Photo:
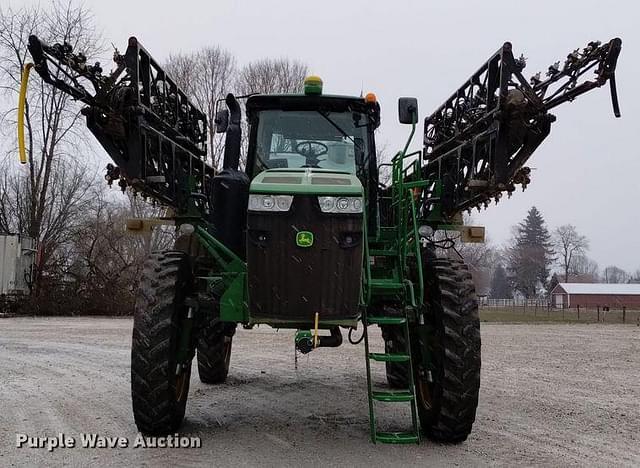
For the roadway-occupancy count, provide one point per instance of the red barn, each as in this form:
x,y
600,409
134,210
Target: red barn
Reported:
x,y
614,296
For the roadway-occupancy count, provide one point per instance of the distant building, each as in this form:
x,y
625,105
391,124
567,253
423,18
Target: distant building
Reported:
x,y
614,296
17,254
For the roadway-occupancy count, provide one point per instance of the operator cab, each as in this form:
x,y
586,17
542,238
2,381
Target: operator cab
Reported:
x,y
309,139
314,132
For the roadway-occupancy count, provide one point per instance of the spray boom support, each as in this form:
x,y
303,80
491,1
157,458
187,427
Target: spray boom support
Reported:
x,y
476,143
152,131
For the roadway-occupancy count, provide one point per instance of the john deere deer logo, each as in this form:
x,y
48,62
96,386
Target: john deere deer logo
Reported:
x,y
304,239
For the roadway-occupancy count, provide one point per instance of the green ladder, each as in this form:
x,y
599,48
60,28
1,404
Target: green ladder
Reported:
x,y
391,396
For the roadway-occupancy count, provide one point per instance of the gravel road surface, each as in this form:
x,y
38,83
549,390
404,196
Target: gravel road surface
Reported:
x,y
551,395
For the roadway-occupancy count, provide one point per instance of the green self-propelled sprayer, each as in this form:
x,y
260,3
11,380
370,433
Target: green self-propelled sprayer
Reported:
x,y
305,236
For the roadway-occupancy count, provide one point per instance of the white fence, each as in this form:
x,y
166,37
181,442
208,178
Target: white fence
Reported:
x,y
504,303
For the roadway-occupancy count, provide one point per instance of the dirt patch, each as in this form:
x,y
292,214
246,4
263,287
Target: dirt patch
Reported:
x,y
551,395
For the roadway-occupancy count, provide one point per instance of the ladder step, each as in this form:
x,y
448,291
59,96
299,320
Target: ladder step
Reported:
x,y
406,395
387,320
389,357
397,437
392,396
388,232
386,284
383,252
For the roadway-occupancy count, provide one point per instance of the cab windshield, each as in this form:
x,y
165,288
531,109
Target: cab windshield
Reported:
x,y
310,139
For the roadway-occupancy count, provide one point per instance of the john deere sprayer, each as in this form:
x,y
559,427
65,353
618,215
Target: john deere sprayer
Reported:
x,y
305,236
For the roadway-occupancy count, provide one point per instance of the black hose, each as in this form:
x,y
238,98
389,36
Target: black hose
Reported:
x,y
351,330
332,341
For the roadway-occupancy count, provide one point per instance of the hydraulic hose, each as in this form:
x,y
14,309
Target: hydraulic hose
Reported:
x,y
22,101
332,341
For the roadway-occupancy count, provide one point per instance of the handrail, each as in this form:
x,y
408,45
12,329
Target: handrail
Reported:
x,y
366,263
405,207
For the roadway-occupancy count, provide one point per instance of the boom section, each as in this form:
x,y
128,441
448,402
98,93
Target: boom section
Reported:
x,y
155,135
477,142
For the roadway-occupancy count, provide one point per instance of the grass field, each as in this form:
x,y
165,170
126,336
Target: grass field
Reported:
x,y
532,314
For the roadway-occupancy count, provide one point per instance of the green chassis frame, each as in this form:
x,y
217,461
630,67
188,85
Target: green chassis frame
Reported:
x,y
401,241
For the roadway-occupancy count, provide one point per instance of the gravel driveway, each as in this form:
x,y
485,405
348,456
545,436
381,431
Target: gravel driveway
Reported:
x,y
551,395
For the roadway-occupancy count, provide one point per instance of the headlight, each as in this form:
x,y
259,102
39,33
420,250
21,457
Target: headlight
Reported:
x,y
340,204
270,202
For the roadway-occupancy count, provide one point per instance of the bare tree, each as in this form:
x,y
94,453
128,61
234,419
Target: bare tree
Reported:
x,y
69,193
383,156
39,200
481,258
206,76
160,237
584,270
268,76
568,245
99,265
613,274
210,73
271,76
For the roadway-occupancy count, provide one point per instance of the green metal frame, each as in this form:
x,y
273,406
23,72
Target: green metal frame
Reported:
x,y
399,244
230,276
399,280
407,395
400,240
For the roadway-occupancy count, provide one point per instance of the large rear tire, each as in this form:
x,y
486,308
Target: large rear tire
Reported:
x,y
159,389
395,342
215,338
214,351
446,352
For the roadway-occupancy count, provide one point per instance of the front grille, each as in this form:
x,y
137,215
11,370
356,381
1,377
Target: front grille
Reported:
x,y
288,282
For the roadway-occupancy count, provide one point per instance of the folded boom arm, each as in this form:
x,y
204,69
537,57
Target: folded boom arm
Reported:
x,y
477,142
152,131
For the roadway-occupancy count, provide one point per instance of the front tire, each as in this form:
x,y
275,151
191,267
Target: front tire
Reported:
x,y
159,386
447,352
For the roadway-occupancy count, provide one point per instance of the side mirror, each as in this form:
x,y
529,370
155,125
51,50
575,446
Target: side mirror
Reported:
x,y
408,110
221,121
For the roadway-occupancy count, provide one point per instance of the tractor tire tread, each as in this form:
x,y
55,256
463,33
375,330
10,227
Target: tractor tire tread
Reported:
x,y
213,355
155,408
460,351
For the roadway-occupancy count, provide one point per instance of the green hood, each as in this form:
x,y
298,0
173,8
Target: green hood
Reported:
x,y
306,181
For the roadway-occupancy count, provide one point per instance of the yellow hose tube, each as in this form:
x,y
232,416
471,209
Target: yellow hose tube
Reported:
x,y
21,105
315,332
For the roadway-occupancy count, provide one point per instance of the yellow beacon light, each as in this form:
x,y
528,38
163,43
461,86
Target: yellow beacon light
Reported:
x,y
21,105
313,85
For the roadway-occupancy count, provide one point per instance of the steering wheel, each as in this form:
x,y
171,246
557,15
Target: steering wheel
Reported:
x,y
312,150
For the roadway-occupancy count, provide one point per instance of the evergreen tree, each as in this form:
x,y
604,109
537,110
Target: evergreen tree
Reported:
x,y
500,286
553,283
531,254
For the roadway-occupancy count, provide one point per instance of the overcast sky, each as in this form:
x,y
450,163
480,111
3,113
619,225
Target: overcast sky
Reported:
x,y
587,171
